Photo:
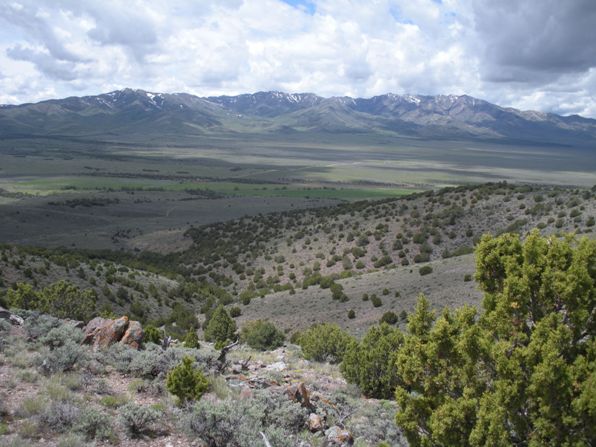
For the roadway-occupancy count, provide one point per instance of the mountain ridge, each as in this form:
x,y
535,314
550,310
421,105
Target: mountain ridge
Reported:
x,y
134,111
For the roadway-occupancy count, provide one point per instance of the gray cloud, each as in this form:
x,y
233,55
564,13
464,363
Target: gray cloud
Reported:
x,y
129,31
535,41
128,27
45,63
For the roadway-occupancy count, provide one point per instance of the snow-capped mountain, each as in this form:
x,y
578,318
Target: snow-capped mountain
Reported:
x,y
129,113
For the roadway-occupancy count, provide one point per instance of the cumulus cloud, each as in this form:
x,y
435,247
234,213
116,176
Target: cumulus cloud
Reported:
x,y
538,54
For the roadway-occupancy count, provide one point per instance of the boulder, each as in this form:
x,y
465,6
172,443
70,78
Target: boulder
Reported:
x,y
315,423
299,393
339,436
10,317
133,336
102,332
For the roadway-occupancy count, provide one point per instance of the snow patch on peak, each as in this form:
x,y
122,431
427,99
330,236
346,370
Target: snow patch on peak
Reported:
x,y
114,95
103,102
412,99
290,97
152,97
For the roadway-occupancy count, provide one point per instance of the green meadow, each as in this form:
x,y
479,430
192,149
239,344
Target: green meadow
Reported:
x,y
60,185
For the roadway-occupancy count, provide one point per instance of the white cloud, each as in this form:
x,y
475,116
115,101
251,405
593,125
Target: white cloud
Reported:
x,y
510,54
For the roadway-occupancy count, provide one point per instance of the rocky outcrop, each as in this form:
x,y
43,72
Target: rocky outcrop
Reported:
x,y
102,332
10,317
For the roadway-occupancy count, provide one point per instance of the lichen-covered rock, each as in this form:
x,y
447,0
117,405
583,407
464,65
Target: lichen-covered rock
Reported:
x,y
133,336
339,436
315,423
111,332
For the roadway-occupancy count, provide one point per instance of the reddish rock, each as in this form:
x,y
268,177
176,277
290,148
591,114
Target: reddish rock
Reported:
x,y
92,328
103,332
111,333
133,336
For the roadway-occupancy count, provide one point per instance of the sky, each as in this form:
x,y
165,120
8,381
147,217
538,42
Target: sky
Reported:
x,y
528,54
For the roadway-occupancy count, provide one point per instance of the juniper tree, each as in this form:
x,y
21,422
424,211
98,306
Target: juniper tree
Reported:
x,y
185,382
220,326
325,342
152,334
521,373
370,364
262,335
191,340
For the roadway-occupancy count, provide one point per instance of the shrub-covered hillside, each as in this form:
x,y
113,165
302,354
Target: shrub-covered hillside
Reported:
x,y
56,392
114,284
520,371
306,256
287,250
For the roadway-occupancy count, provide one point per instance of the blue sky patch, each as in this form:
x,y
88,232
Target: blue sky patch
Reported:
x,y
305,5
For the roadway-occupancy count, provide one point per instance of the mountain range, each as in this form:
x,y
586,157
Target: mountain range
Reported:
x,y
136,114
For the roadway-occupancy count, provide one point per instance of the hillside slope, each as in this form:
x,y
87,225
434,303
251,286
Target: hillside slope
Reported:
x,y
265,252
298,267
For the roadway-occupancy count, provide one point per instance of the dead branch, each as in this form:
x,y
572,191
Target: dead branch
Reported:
x,y
244,364
221,360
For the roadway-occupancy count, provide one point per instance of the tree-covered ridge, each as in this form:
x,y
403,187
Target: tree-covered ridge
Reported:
x,y
285,250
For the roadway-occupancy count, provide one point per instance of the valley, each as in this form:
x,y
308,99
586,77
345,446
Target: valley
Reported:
x,y
298,223
312,241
